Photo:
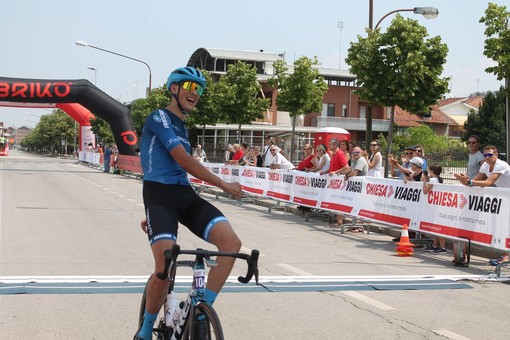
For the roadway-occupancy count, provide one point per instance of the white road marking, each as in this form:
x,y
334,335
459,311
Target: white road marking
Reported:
x,y
450,334
294,269
368,300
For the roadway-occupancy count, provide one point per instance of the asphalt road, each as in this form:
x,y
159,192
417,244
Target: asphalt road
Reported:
x,y
62,221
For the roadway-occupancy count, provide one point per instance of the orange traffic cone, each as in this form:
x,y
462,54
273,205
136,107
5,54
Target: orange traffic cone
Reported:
x,y
404,247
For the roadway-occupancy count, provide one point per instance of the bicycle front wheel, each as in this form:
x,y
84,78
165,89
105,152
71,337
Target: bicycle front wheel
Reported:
x,y
205,326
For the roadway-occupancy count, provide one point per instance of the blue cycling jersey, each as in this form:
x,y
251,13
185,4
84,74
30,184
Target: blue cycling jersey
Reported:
x,y
162,132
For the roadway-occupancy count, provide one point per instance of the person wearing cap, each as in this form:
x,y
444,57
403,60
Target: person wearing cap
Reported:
x,y
401,171
169,199
416,169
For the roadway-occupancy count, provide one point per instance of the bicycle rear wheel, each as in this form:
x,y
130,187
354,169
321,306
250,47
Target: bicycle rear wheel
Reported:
x,y
206,325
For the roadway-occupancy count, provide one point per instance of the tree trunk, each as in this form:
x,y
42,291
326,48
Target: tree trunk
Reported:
x,y
368,126
292,140
390,141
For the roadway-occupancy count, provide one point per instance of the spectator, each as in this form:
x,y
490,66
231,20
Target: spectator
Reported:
x,y
420,152
344,146
244,149
475,159
359,167
199,154
338,164
359,164
374,160
351,147
250,159
268,143
107,158
277,160
322,164
416,169
256,153
309,160
398,170
238,155
439,243
115,153
493,172
229,154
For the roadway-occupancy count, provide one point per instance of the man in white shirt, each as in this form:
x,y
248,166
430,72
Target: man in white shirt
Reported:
x,y
359,165
278,161
267,145
494,172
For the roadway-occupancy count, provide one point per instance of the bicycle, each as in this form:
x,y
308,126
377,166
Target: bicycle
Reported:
x,y
198,319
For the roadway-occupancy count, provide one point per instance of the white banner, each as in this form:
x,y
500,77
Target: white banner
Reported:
x,y
89,157
453,211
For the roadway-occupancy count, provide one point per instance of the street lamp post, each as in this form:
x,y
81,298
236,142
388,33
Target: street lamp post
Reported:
x,y
95,74
340,26
84,44
427,12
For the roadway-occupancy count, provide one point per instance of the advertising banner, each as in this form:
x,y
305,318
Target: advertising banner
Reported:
x,y
448,210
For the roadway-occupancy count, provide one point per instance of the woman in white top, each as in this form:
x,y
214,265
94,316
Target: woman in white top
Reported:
x,y
374,161
322,165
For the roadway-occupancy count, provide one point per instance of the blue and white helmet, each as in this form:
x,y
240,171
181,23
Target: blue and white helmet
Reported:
x,y
183,74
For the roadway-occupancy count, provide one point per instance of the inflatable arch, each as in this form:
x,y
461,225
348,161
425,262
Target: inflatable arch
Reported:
x,y
79,99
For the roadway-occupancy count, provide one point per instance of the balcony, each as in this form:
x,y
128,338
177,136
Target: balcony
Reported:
x,y
353,124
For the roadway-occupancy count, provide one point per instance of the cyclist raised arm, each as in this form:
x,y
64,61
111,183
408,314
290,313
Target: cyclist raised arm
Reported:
x,y
165,154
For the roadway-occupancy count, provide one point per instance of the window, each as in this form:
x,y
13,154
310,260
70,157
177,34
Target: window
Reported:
x,y
362,112
331,110
344,110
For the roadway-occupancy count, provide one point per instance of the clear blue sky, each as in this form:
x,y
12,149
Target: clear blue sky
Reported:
x,y
38,38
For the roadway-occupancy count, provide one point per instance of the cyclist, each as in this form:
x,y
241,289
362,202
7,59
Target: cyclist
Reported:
x,y
165,154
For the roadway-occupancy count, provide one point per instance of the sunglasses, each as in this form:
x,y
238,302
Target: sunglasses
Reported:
x,y
409,153
272,150
191,86
472,142
486,155
373,144
356,152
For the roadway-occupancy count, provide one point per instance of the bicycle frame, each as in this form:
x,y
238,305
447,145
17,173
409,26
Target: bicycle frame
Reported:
x,y
196,295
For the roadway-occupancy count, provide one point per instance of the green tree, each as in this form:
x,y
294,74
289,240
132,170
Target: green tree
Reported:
x,y
49,133
497,48
101,129
299,92
489,120
421,135
236,96
497,44
399,67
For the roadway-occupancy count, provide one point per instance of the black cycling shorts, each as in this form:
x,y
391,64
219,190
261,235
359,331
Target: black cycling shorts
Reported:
x,y
168,204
